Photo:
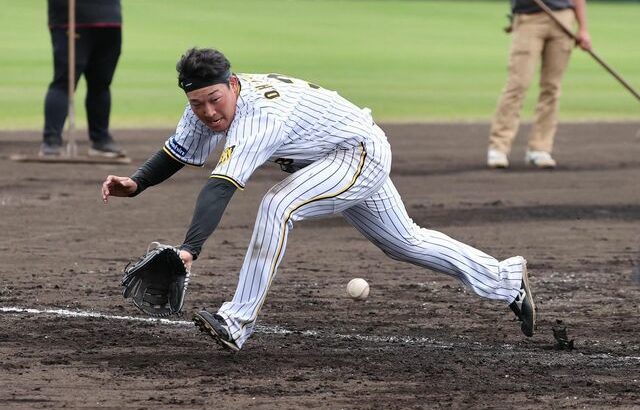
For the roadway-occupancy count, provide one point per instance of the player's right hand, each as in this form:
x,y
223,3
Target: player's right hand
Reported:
x,y
117,186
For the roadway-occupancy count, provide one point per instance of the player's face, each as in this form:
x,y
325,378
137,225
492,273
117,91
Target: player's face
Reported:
x,y
215,105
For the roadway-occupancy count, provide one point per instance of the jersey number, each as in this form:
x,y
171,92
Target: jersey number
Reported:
x,y
271,94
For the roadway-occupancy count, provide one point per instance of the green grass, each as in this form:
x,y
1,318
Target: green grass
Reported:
x,y
407,60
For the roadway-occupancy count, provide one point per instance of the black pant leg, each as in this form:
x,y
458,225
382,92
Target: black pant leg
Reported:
x,y
56,103
101,66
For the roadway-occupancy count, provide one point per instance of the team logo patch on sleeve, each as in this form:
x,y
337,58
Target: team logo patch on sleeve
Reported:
x,y
226,155
177,148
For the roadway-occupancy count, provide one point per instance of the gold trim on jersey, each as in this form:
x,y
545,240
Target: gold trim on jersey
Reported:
x,y
233,181
178,159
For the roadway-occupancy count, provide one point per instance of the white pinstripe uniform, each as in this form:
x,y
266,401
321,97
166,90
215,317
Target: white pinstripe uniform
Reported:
x,y
343,160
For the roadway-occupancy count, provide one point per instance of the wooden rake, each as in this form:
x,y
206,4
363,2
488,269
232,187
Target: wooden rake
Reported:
x,y
600,61
70,155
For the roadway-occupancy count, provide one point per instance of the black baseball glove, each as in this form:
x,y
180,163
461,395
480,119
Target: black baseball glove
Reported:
x,y
157,282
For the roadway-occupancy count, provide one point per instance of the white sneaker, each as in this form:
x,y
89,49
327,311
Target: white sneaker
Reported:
x,y
497,159
540,159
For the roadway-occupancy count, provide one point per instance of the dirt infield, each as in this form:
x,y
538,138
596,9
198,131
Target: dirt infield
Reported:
x,y
420,341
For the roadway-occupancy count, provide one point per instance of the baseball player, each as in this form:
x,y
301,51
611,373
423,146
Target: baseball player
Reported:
x,y
338,162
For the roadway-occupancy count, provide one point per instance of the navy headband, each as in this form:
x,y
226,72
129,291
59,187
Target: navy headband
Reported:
x,y
189,85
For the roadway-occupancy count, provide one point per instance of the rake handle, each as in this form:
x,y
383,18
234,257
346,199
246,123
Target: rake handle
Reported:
x,y
570,33
71,145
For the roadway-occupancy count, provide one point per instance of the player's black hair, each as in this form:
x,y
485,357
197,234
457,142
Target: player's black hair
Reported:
x,y
199,67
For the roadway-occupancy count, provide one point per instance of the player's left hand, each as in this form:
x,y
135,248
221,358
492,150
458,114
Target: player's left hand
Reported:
x,y
187,258
157,281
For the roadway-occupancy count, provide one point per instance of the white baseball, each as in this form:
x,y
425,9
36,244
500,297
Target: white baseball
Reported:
x,y
358,289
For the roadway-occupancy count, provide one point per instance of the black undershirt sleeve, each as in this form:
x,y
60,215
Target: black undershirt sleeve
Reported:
x,y
210,206
156,169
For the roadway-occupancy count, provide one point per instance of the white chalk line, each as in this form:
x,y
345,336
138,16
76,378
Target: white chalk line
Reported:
x,y
259,328
279,330
82,313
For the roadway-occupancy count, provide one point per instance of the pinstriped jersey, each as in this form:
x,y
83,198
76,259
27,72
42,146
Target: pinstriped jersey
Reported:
x,y
193,141
277,118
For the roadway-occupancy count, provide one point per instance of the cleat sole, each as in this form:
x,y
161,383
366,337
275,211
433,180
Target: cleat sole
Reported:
x,y
205,327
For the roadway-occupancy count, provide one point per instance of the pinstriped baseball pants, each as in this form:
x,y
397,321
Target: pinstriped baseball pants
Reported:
x,y
355,182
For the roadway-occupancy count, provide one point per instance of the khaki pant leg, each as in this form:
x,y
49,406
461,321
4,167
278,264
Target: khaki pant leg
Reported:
x,y
526,46
555,58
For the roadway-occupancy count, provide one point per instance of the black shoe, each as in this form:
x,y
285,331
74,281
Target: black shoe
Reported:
x,y
51,149
523,306
216,327
106,149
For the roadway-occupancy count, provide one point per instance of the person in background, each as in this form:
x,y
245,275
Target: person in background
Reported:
x,y
98,44
537,40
